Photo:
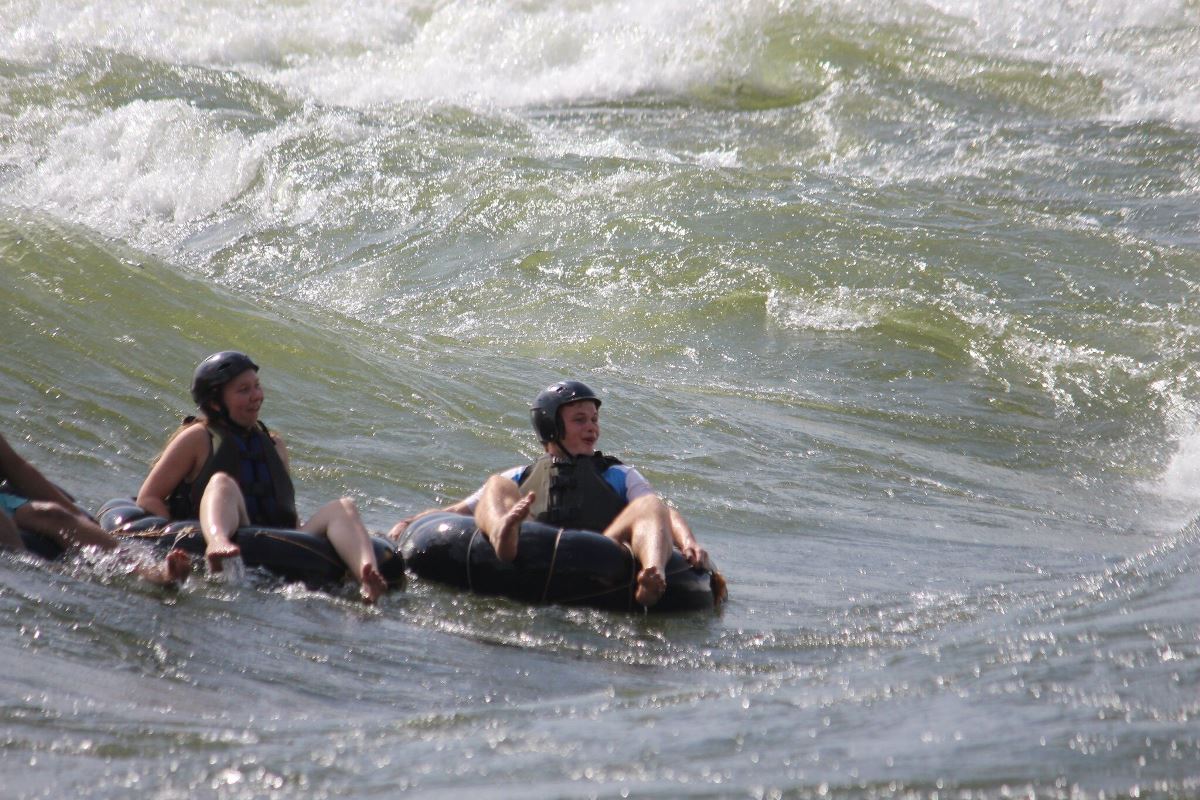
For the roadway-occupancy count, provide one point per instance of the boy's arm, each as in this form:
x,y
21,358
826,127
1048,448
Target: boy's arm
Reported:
x,y
26,478
685,540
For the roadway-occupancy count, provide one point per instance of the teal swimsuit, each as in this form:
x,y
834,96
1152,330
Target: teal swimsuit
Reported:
x,y
11,502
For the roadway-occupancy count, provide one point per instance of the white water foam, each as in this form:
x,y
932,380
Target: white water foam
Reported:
x,y
839,309
158,172
499,53
1181,477
509,53
1143,52
214,33
142,164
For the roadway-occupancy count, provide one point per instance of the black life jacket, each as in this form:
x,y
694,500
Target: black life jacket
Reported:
x,y
572,493
250,458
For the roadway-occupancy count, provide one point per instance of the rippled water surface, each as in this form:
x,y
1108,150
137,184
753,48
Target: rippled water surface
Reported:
x,y
898,304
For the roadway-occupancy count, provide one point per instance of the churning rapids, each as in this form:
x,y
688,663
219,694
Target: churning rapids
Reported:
x,y
898,303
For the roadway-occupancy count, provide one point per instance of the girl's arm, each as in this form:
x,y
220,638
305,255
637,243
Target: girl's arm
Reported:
x,y
183,457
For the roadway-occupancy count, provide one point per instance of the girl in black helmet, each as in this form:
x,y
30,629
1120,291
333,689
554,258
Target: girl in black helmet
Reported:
x,y
228,470
574,485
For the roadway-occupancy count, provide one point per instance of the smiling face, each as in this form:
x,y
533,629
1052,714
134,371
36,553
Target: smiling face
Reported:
x,y
243,397
581,427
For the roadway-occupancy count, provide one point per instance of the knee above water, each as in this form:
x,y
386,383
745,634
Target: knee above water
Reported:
x,y
221,481
347,506
48,510
650,504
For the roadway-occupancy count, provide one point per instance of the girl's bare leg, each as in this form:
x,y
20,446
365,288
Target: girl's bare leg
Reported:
x,y
222,512
339,521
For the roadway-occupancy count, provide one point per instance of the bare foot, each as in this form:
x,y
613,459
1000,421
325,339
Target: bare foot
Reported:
x,y
173,569
510,528
650,586
373,585
178,564
218,551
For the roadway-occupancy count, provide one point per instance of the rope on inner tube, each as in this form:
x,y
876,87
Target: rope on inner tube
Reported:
x,y
470,545
305,547
633,571
576,598
188,531
553,559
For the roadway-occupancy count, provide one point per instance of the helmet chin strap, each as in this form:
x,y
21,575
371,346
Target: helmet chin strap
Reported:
x,y
558,438
562,448
223,413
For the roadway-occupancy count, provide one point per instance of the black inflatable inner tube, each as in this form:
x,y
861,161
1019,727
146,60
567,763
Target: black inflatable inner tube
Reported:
x,y
553,565
41,546
293,555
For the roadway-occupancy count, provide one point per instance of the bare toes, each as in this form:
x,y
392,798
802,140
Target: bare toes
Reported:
x,y
217,556
650,586
179,565
373,584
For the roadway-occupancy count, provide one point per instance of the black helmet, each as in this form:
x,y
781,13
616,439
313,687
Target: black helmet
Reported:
x,y
216,371
544,413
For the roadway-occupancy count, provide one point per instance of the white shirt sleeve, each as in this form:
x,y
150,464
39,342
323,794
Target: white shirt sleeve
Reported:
x,y
636,485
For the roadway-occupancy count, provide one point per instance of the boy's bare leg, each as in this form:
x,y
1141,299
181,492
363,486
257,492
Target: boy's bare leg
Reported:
x,y
172,570
62,525
499,515
10,537
645,527
69,529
